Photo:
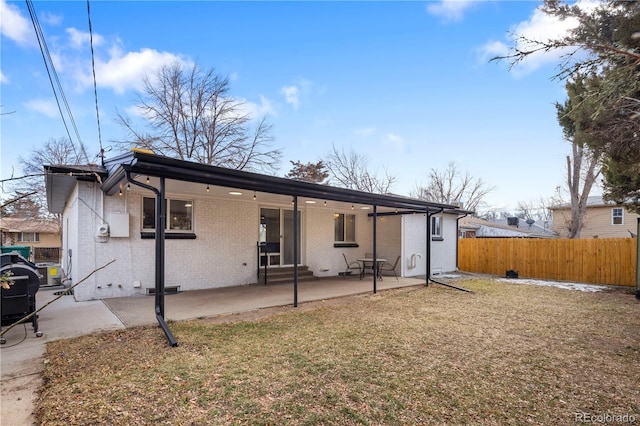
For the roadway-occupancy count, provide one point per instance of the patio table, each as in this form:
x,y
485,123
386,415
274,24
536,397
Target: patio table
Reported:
x,y
369,261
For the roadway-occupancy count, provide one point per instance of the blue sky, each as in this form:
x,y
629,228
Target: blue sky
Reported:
x,y
408,84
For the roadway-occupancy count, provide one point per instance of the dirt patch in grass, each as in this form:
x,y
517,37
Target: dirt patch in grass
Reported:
x,y
506,354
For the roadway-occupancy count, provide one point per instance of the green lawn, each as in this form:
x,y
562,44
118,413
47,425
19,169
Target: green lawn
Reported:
x,y
506,354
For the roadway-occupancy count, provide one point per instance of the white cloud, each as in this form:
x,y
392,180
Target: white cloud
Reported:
x,y
3,78
296,91
80,38
257,111
51,19
59,62
123,71
291,95
539,27
15,26
450,10
365,131
266,108
43,106
493,49
391,139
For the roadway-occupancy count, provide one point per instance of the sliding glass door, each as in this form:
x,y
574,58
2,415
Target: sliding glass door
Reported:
x,y
276,231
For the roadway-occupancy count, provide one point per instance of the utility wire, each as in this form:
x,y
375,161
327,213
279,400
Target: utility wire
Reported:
x,y
95,85
52,73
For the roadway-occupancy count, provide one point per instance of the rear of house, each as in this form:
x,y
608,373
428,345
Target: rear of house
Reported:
x,y
214,232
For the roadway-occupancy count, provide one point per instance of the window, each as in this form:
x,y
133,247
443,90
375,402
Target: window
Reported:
x,y
344,227
179,215
29,237
617,217
436,227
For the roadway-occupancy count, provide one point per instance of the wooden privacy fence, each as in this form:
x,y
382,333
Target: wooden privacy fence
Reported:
x,y
594,261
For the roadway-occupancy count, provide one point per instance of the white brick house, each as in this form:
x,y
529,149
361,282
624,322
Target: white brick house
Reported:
x,y
215,219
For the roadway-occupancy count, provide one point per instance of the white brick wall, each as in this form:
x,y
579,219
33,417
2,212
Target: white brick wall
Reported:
x,y
443,253
224,252
389,238
322,257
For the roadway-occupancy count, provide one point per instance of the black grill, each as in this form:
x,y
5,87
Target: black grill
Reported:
x,y
19,300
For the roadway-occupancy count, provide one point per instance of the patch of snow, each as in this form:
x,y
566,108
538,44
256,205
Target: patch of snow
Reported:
x,y
564,285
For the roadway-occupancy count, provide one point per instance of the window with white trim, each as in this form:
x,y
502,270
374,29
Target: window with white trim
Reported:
x,y
436,227
617,216
179,215
344,228
29,237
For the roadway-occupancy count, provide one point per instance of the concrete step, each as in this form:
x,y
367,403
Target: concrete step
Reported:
x,y
285,275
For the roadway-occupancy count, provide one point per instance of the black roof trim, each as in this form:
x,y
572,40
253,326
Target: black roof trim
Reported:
x,y
159,166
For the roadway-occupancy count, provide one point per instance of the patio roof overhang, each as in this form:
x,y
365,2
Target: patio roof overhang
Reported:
x,y
140,165
136,167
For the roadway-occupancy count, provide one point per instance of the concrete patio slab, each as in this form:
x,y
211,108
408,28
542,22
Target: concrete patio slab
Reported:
x,y
136,311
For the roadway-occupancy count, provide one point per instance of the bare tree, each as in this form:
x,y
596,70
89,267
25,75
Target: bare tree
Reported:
x,y
526,210
27,192
537,210
351,170
582,173
452,187
190,115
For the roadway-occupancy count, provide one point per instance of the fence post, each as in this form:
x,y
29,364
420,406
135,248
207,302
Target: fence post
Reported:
x,y
638,260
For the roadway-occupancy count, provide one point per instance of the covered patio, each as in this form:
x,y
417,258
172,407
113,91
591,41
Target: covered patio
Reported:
x,y
125,184
139,311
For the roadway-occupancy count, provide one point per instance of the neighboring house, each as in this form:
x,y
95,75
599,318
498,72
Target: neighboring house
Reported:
x,y
513,227
215,220
601,220
41,235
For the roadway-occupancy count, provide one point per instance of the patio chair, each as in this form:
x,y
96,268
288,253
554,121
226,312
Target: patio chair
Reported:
x,y
386,266
353,265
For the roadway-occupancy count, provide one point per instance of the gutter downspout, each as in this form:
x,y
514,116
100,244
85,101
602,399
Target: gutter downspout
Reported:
x,y
160,251
375,249
638,261
428,271
295,251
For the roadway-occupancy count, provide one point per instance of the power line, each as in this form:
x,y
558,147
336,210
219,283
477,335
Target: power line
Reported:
x,y
52,73
95,85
